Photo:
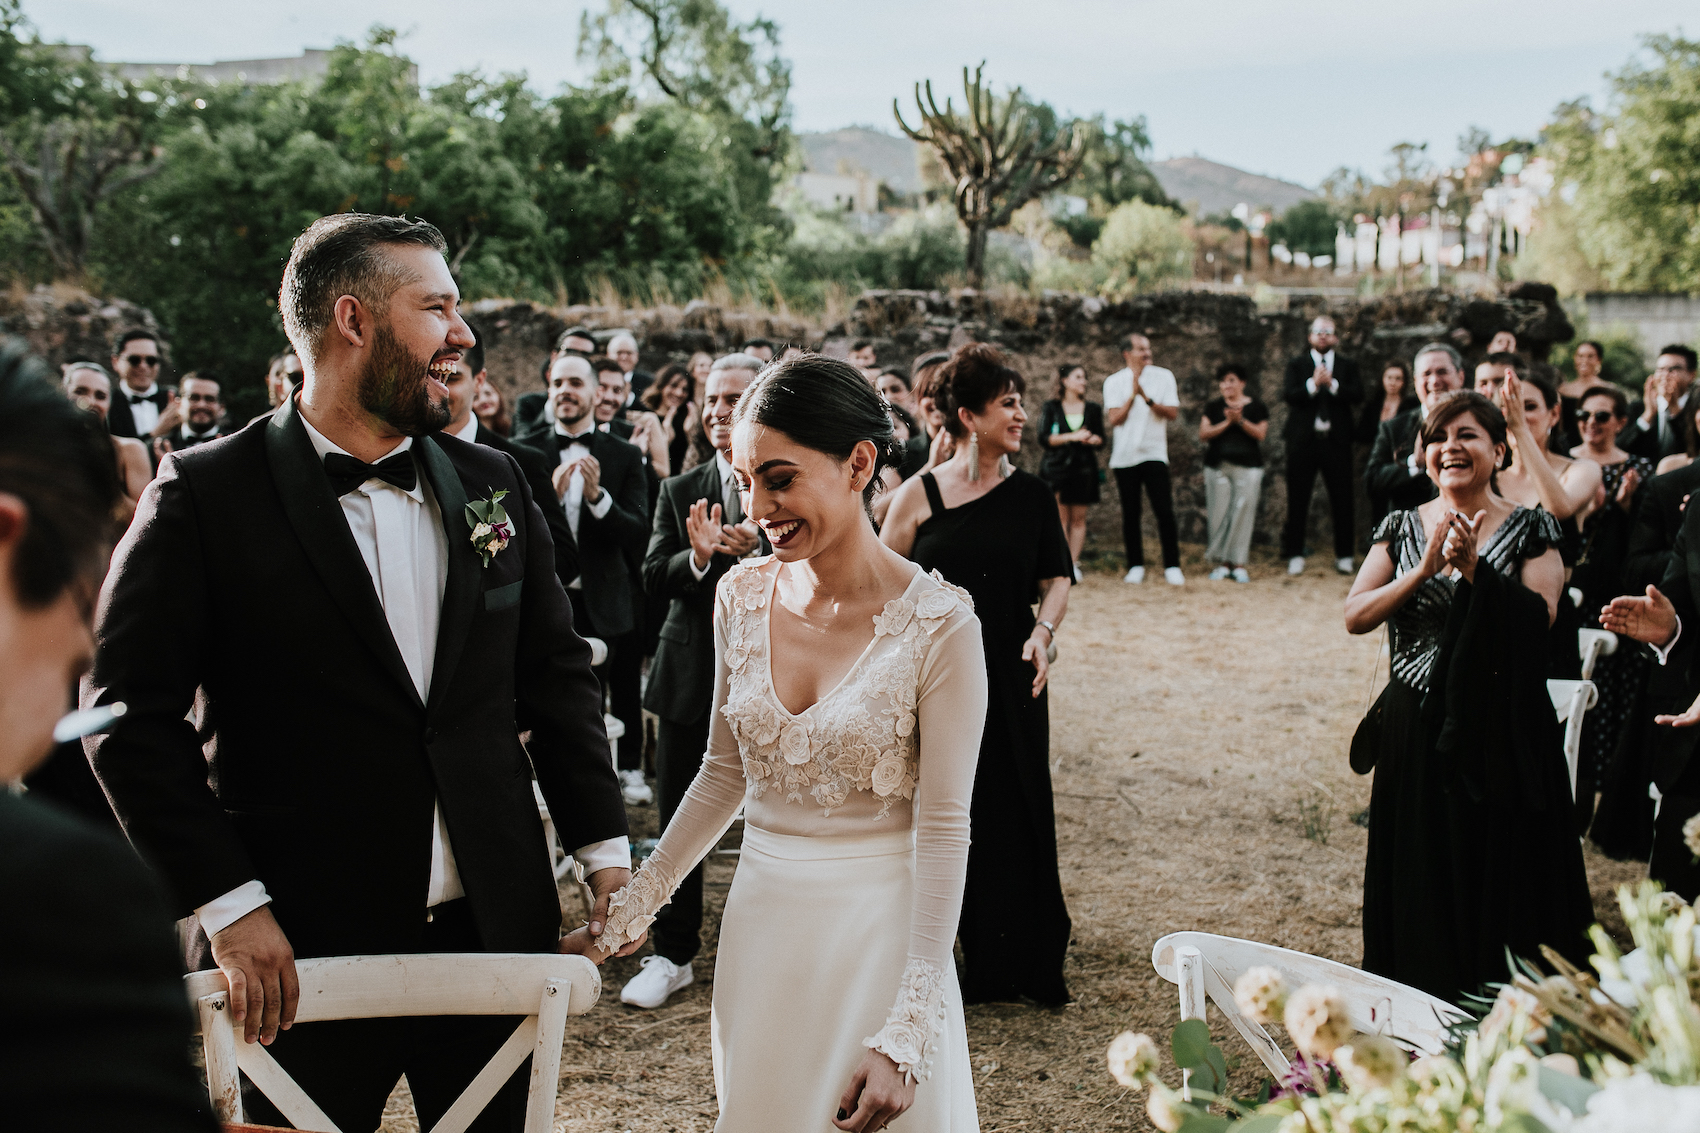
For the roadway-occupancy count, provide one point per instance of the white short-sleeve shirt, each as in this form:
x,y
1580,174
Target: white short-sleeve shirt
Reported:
x,y
1143,436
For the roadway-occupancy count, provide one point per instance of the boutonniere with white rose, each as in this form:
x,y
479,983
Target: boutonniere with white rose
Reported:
x,y
491,527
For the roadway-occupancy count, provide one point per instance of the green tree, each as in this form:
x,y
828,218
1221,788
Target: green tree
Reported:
x,y
1143,248
1309,227
1631,174
1113,169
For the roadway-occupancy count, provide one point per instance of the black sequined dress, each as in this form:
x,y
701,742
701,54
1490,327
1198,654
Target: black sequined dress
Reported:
x,y
1471,847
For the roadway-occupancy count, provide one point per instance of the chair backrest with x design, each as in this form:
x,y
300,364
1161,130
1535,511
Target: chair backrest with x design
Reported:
x,y
544,988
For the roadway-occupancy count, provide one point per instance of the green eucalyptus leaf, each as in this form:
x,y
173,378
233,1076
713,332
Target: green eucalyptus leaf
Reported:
x,y
1190,1044
1568,1091
1260,1123
1206,1123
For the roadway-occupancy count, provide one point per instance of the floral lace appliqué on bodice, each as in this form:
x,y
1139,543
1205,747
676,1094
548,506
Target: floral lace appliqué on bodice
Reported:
x,y
858,737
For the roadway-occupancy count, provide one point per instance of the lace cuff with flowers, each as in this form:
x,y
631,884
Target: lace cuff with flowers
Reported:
x,y
911,1033
632,910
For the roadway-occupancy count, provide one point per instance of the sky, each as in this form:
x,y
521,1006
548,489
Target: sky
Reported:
x,y
1293,89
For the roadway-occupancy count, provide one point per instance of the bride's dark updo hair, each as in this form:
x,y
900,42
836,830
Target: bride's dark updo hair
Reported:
x,y
823,404
975,376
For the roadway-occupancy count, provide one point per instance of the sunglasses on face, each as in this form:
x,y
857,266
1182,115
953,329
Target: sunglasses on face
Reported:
x,y
142,359
1600,416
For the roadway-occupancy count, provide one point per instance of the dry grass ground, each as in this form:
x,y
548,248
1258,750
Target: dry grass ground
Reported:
x,y
1199,756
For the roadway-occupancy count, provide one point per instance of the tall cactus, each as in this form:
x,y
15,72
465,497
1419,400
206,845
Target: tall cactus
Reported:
x,y
997,153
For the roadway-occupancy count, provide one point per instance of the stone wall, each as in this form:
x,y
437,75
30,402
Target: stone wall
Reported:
x,y
66,324
1191,333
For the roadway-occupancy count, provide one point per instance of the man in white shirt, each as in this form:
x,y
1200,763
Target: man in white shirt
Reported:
x,y
1140,400
364,653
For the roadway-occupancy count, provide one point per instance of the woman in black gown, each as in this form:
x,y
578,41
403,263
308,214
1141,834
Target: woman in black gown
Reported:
x,y
1471,847
998,536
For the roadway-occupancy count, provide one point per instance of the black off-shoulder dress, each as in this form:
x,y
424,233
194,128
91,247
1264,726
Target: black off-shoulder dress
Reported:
x,y
1472,850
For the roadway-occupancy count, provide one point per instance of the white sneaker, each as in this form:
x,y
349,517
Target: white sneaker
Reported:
x,y
1344,566
1219,574
1174,577
1241,574
1135,575
635,791
659,979
1296,565
1078,577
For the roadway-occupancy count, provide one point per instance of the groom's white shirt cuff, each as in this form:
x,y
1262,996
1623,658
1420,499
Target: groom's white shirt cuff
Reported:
x,y
1664,653
222,912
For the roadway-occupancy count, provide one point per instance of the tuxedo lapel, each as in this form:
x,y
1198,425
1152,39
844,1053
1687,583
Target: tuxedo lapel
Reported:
x,y
460,591
323,531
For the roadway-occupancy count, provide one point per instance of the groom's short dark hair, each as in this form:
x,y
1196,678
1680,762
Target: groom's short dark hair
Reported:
x,y
58,460
342,255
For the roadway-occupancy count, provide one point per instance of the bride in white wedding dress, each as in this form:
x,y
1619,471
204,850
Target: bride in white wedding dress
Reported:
x,y
848,702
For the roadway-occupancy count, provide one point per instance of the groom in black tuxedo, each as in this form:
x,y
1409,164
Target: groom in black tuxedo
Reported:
x,y
365,658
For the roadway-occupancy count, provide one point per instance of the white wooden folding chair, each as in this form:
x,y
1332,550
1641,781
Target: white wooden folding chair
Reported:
x,y
1593,644
1207,965
543,987
1571,700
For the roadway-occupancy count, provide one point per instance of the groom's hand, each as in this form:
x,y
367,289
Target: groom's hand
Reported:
x,y
604,883
259,964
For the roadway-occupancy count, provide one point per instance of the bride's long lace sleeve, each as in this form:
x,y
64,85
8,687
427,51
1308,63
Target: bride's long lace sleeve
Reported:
x,y
703,817
951,713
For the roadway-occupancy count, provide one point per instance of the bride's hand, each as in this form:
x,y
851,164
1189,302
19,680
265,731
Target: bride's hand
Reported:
x,y
878,1095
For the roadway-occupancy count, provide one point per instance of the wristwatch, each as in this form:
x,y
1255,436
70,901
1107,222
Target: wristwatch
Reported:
x,y
1050,628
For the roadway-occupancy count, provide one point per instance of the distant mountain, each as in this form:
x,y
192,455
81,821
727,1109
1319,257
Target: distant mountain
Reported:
x,y
1217,188
860,149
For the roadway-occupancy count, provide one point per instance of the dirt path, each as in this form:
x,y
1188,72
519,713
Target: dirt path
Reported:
x,y
1198,746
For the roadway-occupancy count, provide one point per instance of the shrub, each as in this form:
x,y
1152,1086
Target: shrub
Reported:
x,y
1143,248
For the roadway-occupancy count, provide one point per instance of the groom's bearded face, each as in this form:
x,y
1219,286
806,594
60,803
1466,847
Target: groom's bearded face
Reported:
x,y
393,386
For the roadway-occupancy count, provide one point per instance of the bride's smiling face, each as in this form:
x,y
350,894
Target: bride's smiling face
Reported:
x,y
804,500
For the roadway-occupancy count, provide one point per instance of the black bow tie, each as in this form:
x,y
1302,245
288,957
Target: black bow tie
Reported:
x,y
347,473
139,398
562,440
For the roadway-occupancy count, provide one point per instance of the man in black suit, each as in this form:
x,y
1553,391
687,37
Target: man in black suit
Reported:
x,y
600,485
1667,617
95,1027
1655,428
201,409
623,348
1396,477
1659,511
141,407
366,654
700,532
1320,388
463,384
613,396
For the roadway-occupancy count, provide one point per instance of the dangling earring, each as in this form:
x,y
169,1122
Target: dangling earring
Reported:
x,y
974,456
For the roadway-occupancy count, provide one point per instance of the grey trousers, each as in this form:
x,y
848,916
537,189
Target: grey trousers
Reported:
x,y
1230,505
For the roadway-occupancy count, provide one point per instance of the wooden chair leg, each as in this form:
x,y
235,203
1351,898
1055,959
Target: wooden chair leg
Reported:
x,y
546,1057
218,1040
1189,965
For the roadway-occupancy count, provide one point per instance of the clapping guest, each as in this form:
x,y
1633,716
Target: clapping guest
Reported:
x,y
198,398
993,530
1654,431
1588,358
1688,426
1396,397
1396,476
1071,429
490,406
1472,851
623,348
1321,387
672,400
141,406
90,389
57,973
1233,427
1139,401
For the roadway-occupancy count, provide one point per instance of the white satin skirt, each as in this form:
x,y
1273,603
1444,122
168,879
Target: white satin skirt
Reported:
x,y
813,944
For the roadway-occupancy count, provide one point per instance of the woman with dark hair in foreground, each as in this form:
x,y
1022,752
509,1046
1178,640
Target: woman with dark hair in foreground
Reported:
x,y
993,530
848,693
1472,850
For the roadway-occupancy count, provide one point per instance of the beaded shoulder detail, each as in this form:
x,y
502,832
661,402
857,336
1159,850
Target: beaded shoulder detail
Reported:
x,y
861,736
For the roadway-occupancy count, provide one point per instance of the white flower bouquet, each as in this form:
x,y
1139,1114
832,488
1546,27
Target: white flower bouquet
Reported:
x,y
1616,1050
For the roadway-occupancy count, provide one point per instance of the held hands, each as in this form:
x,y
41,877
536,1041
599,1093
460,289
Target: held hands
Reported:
x,y
604,883
259,965
878,1094
1650,619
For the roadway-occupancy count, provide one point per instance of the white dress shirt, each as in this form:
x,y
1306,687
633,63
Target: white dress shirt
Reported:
x,y
1326,361
467,432
573,502
144,413
401,540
